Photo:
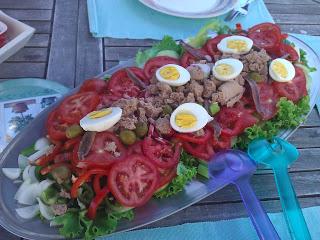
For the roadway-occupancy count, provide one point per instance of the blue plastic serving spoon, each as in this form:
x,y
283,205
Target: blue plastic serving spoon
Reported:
x,y
278,154
237,168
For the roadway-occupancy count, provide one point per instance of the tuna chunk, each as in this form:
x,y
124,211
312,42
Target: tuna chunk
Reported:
x,y
196,89
164,89
228,93
128,106
128,122
256,62
59,209
151,110
163,126
209,88
198,71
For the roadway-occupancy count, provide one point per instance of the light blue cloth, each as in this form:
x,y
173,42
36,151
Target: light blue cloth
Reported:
x,y
312,41
235,229
131,19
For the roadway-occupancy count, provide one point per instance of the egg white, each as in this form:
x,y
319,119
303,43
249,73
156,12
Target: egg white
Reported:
x,y
237,69
195,109
288,65
222,45
103,123
183,79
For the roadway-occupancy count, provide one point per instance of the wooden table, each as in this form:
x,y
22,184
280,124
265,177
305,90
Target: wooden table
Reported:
x,y
63,50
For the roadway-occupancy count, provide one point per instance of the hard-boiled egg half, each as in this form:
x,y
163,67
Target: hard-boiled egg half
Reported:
x,y
235,44
101,120
173,74
281,70
227,69
189,117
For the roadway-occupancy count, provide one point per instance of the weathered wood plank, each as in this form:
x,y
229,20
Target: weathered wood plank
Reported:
x,y
62,57
306,137
313,119
296,19
89,50
30,55
224,211
6,235
121,53
20,70
306,184
293,9
41,15
110,64
304,29
39,40
40,26
26,4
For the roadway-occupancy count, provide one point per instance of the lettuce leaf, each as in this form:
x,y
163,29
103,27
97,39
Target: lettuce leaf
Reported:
x,y
186,171
304,60
202,36
289,115
167,43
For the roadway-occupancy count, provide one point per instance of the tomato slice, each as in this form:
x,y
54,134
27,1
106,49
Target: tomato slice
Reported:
x,y
153,64
287,49
266,35
166,176
268,100
76,106
135,148
211,44
295,89
187,59
162,153
94,85
56,128
133,181
120,85
106,150
201,151
190,137
234,121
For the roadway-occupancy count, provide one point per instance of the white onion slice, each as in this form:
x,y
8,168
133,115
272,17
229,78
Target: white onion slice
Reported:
x,y
29,173
45,210
28,212
29,194
11,173
21,188
22,161
41,143
39,153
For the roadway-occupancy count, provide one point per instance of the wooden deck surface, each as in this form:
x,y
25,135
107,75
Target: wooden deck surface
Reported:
x,y
63,50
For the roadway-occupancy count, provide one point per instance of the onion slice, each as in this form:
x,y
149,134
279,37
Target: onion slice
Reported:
x,y
22,161
12,173
41,143
39,153
28,212
86,144
45,210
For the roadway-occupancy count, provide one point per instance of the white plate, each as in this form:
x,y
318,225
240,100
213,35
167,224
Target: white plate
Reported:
x,y
214,9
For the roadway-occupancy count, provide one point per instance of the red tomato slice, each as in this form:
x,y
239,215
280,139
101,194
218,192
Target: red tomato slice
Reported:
x,y
135,148
266,35
190,137
153,64
187,59
201,151
268,100
162,153
94,85
121,85
56,128
166,176
295,89
76,106
235,120
211,44
133,181
106,150
287,49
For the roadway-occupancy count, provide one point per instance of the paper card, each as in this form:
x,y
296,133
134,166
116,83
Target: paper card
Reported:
x,y
16,114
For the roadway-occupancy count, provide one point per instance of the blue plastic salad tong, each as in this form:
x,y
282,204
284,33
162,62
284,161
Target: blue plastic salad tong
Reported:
x,y
278,154
237,168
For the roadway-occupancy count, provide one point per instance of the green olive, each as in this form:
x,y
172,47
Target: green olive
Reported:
x,y
141,129
74,131
61,174
167,109
128,137
214,108
255,76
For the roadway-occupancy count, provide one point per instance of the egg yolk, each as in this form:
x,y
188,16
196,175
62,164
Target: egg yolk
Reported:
x,y
238,45
99,114
185,120
169,73
224,69
280,69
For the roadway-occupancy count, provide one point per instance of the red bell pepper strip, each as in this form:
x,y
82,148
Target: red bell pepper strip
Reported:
x,y
202,151
63,157
49,168
68,145
83,178
47,158
96,183
192,138
92,211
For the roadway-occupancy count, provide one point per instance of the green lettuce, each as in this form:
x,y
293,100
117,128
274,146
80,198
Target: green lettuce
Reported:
x,y
304,61
167,43
202,36
289,115
186,171
75,224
